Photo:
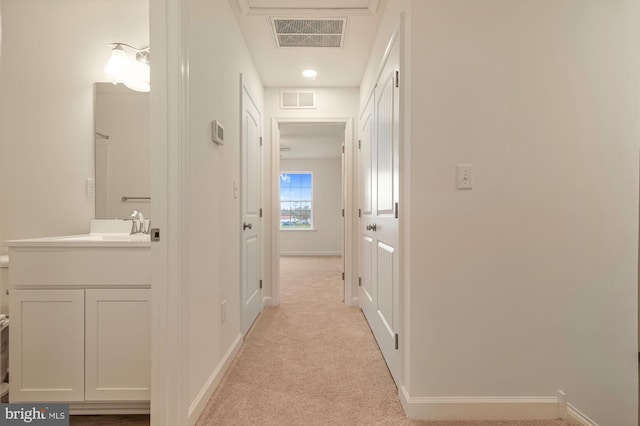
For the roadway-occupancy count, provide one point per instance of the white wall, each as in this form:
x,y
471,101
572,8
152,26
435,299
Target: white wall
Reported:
x,y
52,53
526,284
326,237
213,250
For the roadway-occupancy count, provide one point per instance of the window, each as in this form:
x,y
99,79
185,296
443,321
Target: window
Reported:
x,y
296,198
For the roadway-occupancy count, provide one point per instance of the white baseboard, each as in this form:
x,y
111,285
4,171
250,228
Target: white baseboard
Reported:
x,y
482,408
267,301
203,397
310,253
576,415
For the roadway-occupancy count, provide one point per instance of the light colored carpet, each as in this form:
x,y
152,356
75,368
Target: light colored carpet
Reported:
x,y
313,361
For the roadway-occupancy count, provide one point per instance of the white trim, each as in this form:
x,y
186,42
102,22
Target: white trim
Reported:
x,y
275,210
478,408
310,253
267,301
169,32
576,415
203,397
247,9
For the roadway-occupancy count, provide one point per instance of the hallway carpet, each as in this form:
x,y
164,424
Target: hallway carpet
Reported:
x,y
313,361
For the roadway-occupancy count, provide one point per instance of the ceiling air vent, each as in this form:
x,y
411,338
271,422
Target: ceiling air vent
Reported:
x,y
297,100
309,32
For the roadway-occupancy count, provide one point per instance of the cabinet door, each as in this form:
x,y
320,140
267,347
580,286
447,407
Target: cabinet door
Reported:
x,y
47,345
118,345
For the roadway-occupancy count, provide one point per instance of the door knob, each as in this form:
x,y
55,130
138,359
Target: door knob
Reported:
x,y
246,225
371,227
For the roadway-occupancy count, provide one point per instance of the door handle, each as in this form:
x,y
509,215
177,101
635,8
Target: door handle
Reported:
x,y
372,227
246,225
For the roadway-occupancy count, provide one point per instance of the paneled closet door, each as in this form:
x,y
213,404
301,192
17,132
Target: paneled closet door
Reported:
x,y
379,224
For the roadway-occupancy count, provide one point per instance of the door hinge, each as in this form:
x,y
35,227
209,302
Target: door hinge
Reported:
x,y
397,341
343,149
260,140
359,212
343,276
261,211
359,281
359,144
342,212
260,283
397,215
397,78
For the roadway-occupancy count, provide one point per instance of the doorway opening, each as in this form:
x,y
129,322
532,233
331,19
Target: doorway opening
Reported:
x,y
312,194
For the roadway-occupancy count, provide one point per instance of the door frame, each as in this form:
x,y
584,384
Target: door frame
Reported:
x,y
350,206
169,28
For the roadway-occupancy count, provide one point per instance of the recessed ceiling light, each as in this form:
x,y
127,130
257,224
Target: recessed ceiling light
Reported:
x,y
309,73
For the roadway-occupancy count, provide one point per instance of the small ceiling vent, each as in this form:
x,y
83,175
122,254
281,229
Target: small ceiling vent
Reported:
x,y
309,32
297,100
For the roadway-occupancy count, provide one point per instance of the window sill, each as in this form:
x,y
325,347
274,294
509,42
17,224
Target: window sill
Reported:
x,y
299,230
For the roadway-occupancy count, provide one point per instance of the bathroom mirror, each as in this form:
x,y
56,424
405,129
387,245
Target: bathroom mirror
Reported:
x,y
122,151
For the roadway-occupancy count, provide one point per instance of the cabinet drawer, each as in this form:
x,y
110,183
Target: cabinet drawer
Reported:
x,y
80,267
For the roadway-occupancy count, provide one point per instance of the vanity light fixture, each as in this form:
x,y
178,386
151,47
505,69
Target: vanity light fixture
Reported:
x,y
124,68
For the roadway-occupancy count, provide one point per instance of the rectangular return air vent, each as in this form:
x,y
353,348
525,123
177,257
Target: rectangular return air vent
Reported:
x,y
297,100
309,32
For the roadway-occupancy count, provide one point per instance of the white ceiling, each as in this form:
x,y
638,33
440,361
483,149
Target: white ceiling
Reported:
x,y
282,67
311,140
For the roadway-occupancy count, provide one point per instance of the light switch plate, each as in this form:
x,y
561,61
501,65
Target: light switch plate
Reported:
x,y
217,132
91,187
464,176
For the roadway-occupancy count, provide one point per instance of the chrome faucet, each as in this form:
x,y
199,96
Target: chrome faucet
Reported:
x,y
138,224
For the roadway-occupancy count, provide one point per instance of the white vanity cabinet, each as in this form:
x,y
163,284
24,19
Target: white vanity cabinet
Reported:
x,y
81,324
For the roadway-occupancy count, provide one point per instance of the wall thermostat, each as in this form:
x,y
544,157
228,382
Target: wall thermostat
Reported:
x,y
217,132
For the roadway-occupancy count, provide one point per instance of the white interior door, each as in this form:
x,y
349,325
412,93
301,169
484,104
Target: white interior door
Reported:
x,y
251,210
379,223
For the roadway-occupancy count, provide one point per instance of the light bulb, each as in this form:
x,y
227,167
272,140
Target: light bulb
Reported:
x,y
118,65
138,77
